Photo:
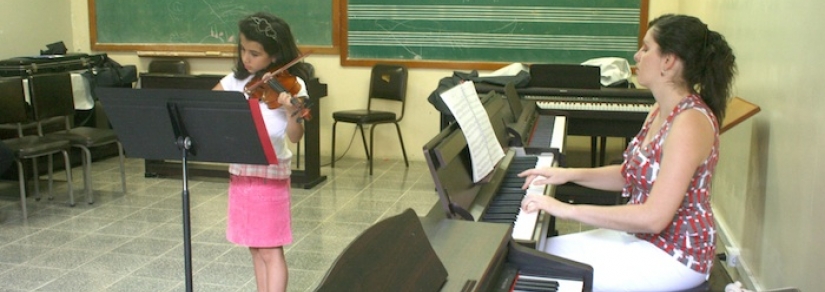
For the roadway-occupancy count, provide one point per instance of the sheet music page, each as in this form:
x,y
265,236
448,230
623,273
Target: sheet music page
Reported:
x,y
468,111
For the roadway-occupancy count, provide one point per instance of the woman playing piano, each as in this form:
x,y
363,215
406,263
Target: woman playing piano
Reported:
x,y
663,238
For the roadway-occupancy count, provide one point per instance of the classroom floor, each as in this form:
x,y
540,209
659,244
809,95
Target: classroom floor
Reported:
x,y
134,241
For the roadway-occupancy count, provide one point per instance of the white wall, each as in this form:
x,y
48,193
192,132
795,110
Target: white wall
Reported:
x,y
27,26
770,178
767,188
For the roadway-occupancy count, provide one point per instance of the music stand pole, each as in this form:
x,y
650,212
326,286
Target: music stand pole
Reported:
x,y
184,143
217,124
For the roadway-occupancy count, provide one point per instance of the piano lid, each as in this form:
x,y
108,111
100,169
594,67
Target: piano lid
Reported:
x,y
392,255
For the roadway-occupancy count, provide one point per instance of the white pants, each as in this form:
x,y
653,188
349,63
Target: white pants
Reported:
x,y
622,262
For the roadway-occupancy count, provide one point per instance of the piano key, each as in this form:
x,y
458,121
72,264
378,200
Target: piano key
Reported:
x,y
559,133
542,134
564,285
594,106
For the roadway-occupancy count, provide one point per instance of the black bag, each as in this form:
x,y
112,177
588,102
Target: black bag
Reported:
x,y
519,80
112,74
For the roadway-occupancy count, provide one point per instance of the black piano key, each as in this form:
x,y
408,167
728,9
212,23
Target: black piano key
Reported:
x,y
513,206
513,184
511,191
510,196
499,218
501,210
543,133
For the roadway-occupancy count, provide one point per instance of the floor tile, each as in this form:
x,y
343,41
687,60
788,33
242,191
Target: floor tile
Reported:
x,y
133,241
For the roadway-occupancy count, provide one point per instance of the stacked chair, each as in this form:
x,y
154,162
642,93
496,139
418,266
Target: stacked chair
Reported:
x,y
51,98
13,115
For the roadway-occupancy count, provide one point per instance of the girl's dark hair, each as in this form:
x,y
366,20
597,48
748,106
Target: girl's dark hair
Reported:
x,y
274,35
709,63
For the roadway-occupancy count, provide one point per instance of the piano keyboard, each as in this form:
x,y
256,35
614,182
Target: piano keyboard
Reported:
x,y
506,206
540,283
549,131
594,106
518,280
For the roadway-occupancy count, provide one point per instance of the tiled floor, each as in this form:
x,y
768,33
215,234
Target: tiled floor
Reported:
x,y
134,241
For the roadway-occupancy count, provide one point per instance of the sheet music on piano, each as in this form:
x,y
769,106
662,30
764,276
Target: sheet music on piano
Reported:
x,y
485,151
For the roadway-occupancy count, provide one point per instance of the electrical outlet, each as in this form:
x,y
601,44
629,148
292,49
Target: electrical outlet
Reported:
x,y
732,255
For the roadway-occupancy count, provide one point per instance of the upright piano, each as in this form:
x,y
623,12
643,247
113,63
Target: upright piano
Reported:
x,y
410,253
497,198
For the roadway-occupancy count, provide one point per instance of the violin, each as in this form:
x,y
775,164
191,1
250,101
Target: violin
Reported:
x,y
267,91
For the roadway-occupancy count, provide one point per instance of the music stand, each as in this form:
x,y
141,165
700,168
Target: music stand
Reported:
x,y
201,125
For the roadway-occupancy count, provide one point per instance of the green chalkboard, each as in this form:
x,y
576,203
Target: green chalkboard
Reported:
x,y
176,24
531,31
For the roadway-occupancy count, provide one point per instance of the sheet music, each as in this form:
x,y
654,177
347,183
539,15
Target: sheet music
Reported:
x,y
467,109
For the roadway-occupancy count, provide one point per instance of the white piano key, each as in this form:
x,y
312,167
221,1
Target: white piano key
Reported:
x,y
594,106
558,133
564,284
525,224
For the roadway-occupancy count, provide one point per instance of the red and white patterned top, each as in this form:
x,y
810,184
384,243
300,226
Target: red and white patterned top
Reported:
x,y
690,238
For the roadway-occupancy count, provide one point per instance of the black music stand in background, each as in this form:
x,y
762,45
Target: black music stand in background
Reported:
x,y
201,125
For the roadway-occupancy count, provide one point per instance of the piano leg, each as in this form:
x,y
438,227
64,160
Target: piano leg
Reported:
x,y
593,152
598,150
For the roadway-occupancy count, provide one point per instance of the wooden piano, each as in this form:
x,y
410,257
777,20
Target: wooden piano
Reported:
x,y
497,198
411,253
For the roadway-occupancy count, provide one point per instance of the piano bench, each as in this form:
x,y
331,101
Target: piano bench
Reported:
x,y
576,194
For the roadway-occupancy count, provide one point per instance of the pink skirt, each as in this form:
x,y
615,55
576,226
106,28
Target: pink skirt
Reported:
x,y
258,213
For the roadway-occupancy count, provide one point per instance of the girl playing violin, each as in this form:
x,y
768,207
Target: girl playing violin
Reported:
x,y
259,195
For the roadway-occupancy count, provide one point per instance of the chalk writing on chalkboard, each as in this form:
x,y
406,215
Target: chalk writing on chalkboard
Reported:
x,y
181,23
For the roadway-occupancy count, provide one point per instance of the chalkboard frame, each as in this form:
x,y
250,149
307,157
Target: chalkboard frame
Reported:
x,y
346,60
202,50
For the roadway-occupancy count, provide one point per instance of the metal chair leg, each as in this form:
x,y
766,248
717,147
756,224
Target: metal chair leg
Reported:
x,y
401,140
122,166
22,179
68,166
367,151
372,138
36,179
50,165
332,164
87,173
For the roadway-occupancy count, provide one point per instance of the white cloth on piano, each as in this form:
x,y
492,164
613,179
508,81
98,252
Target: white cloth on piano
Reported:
x,y
81,92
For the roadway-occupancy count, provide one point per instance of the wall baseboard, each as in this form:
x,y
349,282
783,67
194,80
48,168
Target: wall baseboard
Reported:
x,y
741,272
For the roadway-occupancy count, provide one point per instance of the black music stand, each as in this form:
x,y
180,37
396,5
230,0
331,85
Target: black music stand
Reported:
x,y
201,125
